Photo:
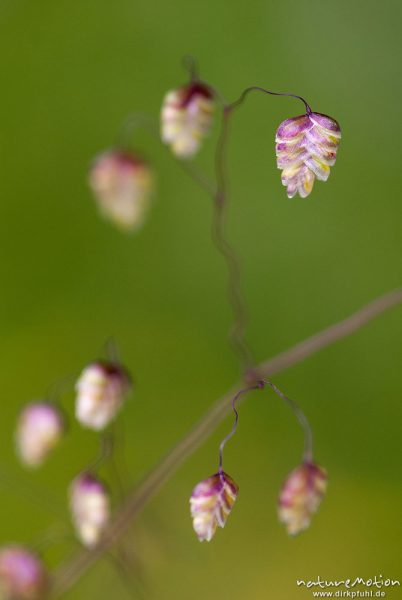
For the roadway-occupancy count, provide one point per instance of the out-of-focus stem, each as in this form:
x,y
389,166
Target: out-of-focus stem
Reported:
x,y
145,121
301,417
237,332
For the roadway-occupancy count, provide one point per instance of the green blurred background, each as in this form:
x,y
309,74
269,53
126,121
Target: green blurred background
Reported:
x,y
71,72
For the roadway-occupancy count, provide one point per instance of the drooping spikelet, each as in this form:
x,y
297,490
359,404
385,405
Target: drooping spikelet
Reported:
x,y
122,185
306,148
301,496
186,118
39,429
90,508
211,502
22,575
101,391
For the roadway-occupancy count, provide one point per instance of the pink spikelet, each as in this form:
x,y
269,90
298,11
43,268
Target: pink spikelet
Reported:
x,y
40,428
122,184
186,118
101,391
22,575
90,508
301,496
306,148
211,502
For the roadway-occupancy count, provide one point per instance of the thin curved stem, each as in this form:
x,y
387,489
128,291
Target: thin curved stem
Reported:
x,y
126,574
301,417
237,331
112,350
58,388
51,538
256,88
105,451
197,176
68,574
118,464
233,430
150,123
133,122
190,64
28,489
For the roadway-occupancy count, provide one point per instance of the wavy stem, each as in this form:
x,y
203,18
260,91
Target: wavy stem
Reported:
x,y
256,88
301,417
233,430
222,245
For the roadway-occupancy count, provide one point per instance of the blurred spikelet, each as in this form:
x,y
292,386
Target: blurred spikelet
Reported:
x,y
22,575
122,184
101,391
90,508
301,496
40,428
186,118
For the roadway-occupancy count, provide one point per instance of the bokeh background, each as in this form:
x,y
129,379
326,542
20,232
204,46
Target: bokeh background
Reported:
x,y
71,72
